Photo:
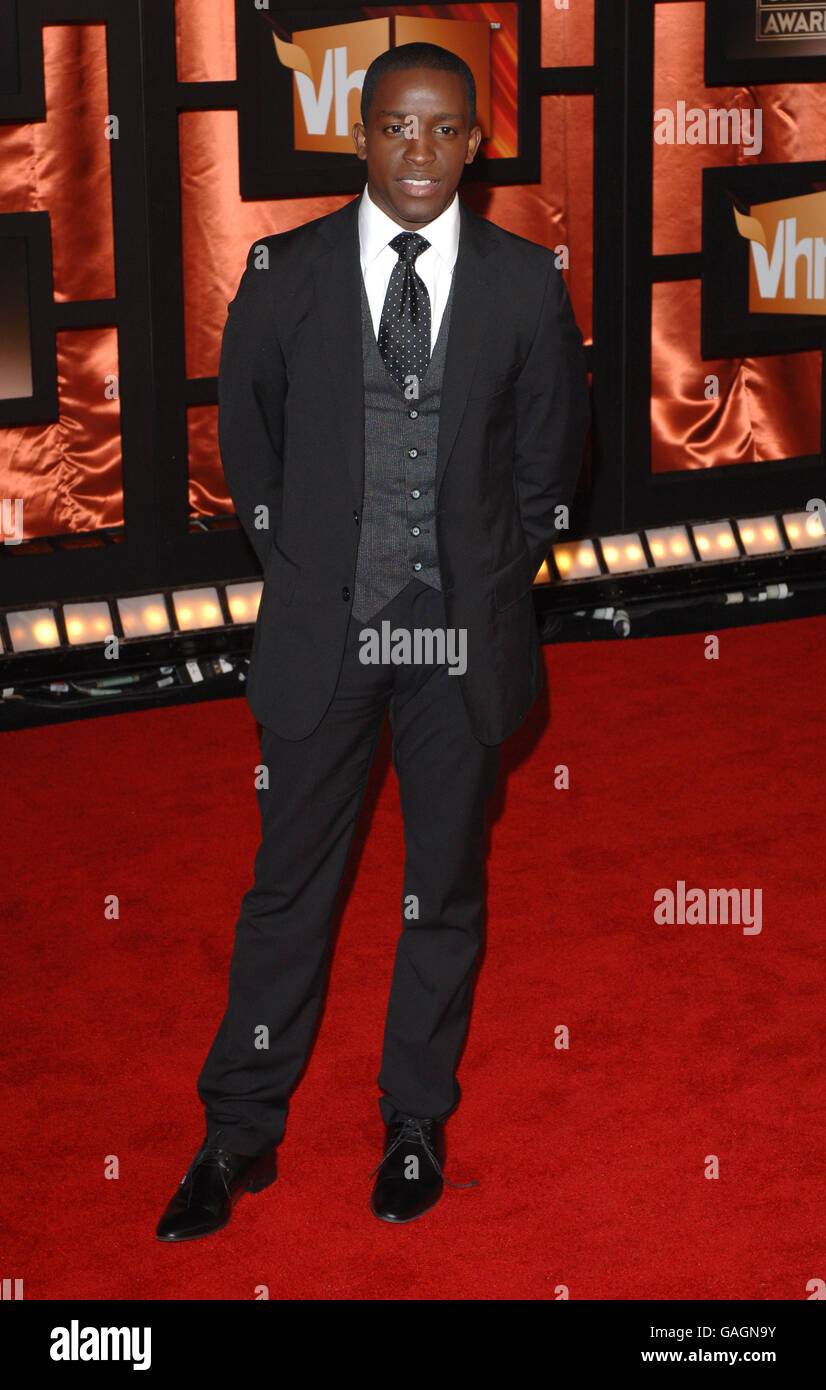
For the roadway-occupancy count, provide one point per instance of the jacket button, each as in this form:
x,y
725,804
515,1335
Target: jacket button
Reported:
x,y
345,593
356,517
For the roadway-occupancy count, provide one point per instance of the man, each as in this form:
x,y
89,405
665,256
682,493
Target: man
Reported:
x,y
402,408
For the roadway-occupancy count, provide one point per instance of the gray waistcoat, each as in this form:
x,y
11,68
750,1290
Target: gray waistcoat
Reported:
x,y
398,523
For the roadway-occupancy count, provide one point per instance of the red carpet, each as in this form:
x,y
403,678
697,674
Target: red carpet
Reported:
x,y
686,1041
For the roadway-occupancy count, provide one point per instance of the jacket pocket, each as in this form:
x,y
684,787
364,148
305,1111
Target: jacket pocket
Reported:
x,y
282,572
512,581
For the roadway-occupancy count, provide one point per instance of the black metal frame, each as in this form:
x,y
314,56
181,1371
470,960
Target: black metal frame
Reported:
x,y
116,559
722,71
727,328
23,99
32,228
651,499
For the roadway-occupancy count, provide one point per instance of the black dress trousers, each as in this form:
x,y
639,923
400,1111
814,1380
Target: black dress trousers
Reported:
x,y
308,815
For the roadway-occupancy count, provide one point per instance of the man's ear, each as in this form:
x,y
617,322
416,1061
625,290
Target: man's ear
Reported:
x,y
359,139
474,141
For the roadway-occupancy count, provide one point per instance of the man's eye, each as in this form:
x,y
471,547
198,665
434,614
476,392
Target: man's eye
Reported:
x,y
394,128
449,128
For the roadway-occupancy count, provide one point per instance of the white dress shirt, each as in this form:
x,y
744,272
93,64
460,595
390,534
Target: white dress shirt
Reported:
x,y
434,265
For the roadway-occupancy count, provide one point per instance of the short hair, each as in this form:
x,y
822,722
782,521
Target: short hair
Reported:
x,y
417,55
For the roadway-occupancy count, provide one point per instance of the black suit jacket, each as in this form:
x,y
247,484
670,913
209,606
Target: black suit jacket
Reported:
x,y
513,418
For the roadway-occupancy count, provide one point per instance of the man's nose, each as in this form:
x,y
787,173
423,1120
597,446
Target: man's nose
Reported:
x,y
419,149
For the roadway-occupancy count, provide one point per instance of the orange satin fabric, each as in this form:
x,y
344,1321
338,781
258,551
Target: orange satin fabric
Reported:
x,y
61,165
567,34
768,407
205,40
68,474
751,419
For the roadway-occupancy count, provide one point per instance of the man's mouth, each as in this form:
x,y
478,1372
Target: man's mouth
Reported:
x,y
418,186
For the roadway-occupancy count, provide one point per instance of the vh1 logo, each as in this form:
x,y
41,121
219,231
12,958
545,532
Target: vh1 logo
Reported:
x,y
329,64
787,266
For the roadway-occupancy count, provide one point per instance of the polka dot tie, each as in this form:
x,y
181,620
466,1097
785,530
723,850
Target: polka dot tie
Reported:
x,y
404,331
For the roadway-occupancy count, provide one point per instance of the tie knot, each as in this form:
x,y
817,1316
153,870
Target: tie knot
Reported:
x,y
409,245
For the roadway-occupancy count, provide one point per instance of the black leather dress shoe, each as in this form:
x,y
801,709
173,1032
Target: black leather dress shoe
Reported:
x,y
210,1188
410,1179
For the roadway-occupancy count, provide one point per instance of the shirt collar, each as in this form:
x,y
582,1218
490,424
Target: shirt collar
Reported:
x,y
376,229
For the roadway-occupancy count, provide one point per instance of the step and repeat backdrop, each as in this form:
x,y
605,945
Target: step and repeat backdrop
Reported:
x,y
672,155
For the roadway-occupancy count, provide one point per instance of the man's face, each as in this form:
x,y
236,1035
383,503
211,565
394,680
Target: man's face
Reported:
x,y
416,142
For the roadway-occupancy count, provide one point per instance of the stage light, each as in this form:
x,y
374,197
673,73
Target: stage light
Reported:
x,y
197,608
576,560
144,616
669,545
243,601
33,629
804,530
715,541
87,622
623,554
760,535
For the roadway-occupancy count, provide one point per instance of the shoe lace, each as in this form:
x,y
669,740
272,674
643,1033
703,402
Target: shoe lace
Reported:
x,y
210,1153
412,1130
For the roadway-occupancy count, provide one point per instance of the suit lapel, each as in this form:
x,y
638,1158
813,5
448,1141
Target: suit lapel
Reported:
x,y
337,278
470,324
